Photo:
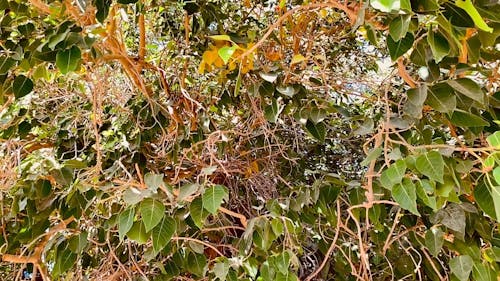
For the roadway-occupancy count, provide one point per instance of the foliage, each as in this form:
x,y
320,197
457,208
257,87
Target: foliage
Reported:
x,y
249,140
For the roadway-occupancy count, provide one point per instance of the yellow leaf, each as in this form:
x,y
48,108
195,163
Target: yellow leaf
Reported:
x,y
298,58
221,37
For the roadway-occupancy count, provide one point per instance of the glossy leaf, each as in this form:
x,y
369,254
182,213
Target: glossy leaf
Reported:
x,y
68,60
125,222
213,197
468,88
461,267
431,164
399,48
474,14
162,233
318,131
494,139
439,45
138,233
6,64
197,212
272,111
404,194
434,240
394,174
399,27
466,119
22,86
152,212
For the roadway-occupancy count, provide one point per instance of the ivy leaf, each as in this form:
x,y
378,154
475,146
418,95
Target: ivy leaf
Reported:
x,y
125,222
399,27
78,242
197,212
386,5
431,164
153,181
439,45
404,194
272,111
458,17
6,63
484,199
102,9
394,174
187,190
399,48
474,14
152,212
162,233
22,86
68,60
442,98
225,53
138,233
434,239
465,119
461,266
64,261
494,140
318,131
468,88
197,264
482,272
213,197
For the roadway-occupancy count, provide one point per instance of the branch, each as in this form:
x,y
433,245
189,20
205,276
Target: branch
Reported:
x,y
350,13
404,74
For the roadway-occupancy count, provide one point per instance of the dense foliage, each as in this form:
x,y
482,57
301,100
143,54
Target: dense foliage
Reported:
x,y
249,140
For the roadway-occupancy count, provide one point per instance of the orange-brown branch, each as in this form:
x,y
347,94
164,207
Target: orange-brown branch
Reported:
x,y
142,38
404,74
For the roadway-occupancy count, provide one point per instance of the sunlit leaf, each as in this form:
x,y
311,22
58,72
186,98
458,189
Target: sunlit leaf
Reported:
x,y
213,197
152,212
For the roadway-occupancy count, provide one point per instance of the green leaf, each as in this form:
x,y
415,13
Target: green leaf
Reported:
x,y
22,86
64,261
434,239
225,53
318,131
482,272
461,266
484,199
187,190
386,5
415,103
269,77
287,90
494,140
125,222
213,197
138,233
77,243
317,115
457,16
465,119
153,181
495,195
68,60
6,64
220,270
474,14
196,264
222,37
468,88
272,111
399,27
102,9
399,48
152,212
453,217
394,174
439,45
496,174
404,194
197,212
162,233
431,164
